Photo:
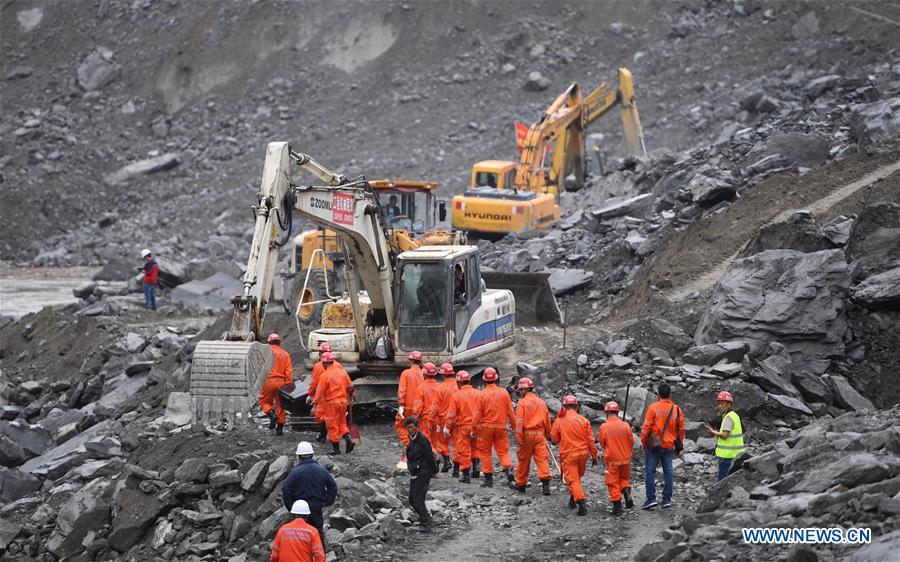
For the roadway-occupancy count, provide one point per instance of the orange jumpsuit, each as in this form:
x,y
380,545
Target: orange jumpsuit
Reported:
x,y
318,410
408,397
441,406
460,416
282,373
532,432
333,393
617,440
297,541
576,442
428,396
492,410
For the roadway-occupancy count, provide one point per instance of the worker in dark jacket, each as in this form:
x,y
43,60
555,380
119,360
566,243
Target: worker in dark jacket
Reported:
x,y
422,466
311,482
151,279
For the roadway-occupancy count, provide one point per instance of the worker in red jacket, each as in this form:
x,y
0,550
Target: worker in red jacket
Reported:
x,y
493,410
576,443
617,441
334,392
282,373
150,270
318,410
532,432
298,541
440,407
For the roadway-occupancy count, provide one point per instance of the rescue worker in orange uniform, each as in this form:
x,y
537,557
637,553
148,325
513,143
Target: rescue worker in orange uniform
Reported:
x,y
617,441
532,432
459,425
408,397
282,373
493,410
573,433
318,410
298,541
333,392
428,396
441,405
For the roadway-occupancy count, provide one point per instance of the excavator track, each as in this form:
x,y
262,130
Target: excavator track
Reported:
x,y
226,377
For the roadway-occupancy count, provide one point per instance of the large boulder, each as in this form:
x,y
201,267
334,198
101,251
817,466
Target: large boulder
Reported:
x,y
806,149
275,473
178,409
32,439
15,484
874,122
849,471
799,232
134,513
144,167
875,241
657,332
96,70
846,396
712,353
60,459
811,387
781,295
881,291
86,511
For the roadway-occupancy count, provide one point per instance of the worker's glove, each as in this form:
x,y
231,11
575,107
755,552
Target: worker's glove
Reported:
x,y
309,399
593,462
400,411
446,432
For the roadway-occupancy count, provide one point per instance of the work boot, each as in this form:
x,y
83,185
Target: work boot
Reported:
x,y
323,433
272,419
546,487
447,465
424,527
617,508
582,507
518,488
279,429
572,504
626,493
455,472
349,444
465,478
335,448
488,480
510,477
476,468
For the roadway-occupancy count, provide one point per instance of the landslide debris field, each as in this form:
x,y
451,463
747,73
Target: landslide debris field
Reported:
x,y
756,249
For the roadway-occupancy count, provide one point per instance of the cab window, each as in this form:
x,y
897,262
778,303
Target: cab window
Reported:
x,y
485,179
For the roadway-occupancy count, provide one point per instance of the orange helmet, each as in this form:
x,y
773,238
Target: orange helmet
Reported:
x,y
611,407
324,346
327,357
415,356
525,383
429,369
570,401
463,376
274,338
446,370
724,396
490,374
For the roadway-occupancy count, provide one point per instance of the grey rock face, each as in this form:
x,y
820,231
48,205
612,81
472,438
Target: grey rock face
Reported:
x,y
712,353
85,511
782,295
846,396
881,291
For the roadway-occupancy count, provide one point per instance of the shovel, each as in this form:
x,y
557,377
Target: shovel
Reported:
x,y
354,429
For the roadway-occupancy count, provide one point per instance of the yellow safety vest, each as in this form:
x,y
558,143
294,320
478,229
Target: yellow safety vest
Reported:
x,y
733,445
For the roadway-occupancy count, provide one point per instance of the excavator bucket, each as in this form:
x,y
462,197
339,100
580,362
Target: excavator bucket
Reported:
x,y
535,302
226,377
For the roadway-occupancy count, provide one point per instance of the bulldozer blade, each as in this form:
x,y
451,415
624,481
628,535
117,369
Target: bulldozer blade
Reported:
x,y
535,302
226,377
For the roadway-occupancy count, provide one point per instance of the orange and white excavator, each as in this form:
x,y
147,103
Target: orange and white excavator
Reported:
x,y
509,197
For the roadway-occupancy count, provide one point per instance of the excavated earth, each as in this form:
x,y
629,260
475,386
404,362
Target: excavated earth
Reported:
x,y
756,249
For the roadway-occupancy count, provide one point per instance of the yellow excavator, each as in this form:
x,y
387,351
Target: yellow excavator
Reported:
x,y
506,197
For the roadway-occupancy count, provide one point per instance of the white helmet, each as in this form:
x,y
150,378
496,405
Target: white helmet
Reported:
x,y
304,448
144,253
300,507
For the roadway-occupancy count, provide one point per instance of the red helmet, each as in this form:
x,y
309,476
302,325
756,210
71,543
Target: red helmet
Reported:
x,y
274,338
463,376
429,369
490,374
327,357
570,401
611,407
724,396
446,370
324,346
415,356
525,383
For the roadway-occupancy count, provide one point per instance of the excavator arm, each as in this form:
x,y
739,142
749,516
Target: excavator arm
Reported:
x,y
604,98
